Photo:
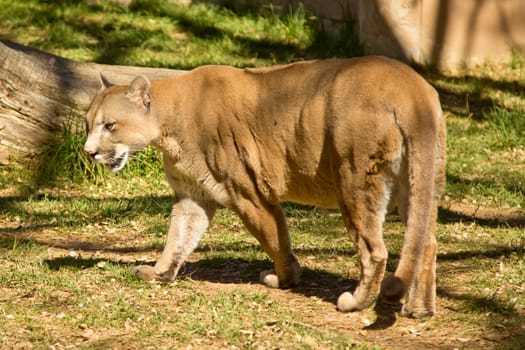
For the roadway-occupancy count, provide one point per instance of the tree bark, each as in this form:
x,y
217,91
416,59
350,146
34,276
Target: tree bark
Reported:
x,y
39,92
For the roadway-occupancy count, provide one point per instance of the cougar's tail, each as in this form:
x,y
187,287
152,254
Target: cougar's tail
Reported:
x,y
424,135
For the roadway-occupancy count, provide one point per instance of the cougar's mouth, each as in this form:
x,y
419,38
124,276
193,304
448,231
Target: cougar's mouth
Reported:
x,y
118,163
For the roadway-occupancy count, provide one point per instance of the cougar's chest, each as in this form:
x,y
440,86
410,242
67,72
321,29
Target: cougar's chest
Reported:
x,y
189,177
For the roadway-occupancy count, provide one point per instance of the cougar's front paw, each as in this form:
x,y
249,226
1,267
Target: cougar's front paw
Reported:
x,y
347,303
147,273
269,278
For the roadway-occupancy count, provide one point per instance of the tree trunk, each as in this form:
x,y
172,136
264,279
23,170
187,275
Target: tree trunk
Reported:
x,y
40,91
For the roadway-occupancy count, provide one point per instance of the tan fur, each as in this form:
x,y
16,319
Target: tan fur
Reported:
x,y
361,135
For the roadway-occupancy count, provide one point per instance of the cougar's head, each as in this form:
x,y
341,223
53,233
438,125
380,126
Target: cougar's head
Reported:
x,y
119,122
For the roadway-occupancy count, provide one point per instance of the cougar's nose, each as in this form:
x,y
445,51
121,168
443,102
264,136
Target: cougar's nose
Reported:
x,y
90,151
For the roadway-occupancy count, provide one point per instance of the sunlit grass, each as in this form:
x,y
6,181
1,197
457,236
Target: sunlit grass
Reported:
x,y
70,231
159,33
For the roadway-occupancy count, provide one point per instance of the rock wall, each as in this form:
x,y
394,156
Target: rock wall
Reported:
x,y
450,34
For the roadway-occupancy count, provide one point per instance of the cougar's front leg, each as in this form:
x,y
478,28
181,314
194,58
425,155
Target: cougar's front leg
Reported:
x,y
267,224
189,220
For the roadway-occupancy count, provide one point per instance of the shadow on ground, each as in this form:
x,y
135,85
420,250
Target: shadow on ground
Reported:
x,y
318,283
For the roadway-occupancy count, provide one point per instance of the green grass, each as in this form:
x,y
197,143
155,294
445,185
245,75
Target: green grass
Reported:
x,y
70,231
486,137
487,158
160,33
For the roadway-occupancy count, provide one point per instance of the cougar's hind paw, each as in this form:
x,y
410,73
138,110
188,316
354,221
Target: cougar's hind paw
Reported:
x,y
392,290
147,273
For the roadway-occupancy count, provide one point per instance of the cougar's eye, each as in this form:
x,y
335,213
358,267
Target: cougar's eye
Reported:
x,y
109,127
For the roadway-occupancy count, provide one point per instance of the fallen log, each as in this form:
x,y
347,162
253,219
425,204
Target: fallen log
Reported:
x,y
40,91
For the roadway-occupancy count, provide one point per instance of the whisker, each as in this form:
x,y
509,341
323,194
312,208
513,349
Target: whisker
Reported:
x,y
135,148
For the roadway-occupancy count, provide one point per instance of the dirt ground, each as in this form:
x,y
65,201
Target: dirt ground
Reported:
x,y
315,298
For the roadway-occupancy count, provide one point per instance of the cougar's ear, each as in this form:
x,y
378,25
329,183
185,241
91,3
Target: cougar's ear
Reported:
x,y
139,91
104,82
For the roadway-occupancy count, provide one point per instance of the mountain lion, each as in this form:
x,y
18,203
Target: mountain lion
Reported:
x,y
363,135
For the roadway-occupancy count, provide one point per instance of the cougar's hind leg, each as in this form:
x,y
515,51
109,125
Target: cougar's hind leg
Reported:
x,y
414,282
421,298
188,222
266,222
420,293
363,210
393,287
